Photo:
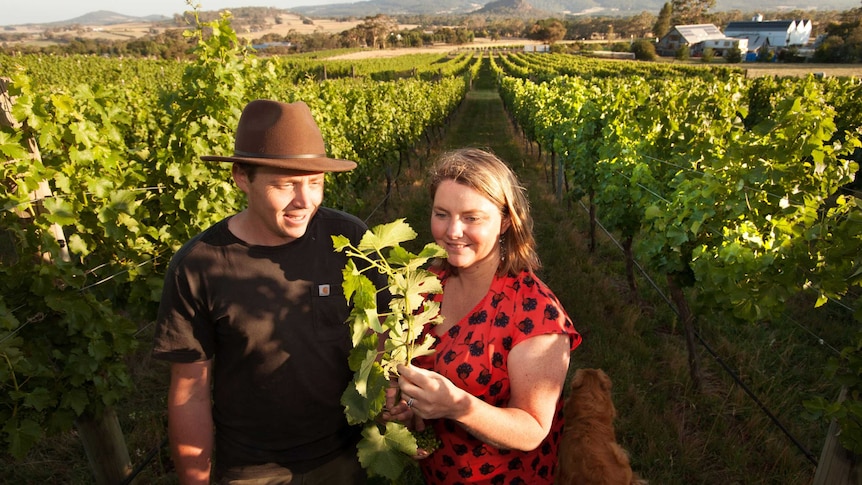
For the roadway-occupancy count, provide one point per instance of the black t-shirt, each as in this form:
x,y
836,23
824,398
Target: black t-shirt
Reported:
x,y
273,319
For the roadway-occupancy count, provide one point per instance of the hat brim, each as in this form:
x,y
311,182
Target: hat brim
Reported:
x,y
321,164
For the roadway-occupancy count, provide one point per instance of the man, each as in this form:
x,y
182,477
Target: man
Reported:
x,y
252,319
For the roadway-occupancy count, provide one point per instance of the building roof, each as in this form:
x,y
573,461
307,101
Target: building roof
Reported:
x,y
699,32
756,42
766,25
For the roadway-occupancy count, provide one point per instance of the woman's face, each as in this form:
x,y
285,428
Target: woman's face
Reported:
x,y
467,225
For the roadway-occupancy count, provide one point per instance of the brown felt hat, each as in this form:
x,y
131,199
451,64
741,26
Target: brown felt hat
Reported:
x,y
281,135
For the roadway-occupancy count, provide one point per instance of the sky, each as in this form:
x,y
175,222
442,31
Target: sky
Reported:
x,y
16,12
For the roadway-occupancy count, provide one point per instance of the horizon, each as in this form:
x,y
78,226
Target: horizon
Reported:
x,y
37,12
49,11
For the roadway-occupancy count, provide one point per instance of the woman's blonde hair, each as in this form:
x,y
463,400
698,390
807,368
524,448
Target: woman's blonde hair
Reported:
x,y
483,172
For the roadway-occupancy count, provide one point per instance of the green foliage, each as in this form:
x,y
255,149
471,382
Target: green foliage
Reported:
x,y
739,185
62,343
843,40
644,50
385,450
733,55
847,410
662,23
121,155
547,30
765,54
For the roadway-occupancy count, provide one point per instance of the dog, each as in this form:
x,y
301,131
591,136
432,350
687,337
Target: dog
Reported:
x,y
589,453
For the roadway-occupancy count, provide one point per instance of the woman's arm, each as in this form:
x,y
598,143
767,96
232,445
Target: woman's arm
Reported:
x,y
190,423
537,371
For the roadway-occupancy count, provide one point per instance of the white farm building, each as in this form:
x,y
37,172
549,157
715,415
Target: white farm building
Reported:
x,y
748,37
774,33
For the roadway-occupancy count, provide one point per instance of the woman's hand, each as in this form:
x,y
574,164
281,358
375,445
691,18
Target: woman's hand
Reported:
x,y
396,408
537,370
430,395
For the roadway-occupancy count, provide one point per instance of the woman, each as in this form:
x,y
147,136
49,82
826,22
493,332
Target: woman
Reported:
x,y
492,388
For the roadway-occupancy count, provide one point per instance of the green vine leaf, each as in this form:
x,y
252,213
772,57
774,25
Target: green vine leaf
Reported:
x,y
399,328
386,235
22,435
386,453
367,397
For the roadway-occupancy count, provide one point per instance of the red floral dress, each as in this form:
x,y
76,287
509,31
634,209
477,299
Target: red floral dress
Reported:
x,y
473,354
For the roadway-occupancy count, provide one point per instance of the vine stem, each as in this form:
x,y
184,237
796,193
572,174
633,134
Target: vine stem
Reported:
x,y
14,381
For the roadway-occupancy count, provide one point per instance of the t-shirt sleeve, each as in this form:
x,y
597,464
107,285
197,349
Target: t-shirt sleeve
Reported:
x,y
537,311
182,333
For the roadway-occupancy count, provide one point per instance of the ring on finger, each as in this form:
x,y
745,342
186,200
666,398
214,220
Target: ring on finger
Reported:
x,y
410,402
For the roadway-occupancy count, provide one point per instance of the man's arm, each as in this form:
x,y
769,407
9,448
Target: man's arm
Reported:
x,y
190,423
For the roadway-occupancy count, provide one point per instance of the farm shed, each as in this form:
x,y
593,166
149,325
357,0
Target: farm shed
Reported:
x,y
537,48
687,35
721,46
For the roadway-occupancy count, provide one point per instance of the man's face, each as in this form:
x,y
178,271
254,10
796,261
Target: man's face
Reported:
x,y
280,203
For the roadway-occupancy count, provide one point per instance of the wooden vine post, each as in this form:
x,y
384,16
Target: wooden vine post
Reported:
x,y
677,294
44,190
101,436
837,465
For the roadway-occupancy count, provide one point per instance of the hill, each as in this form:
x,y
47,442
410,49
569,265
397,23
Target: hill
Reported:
x,y
521,8
104,17
570,7
511,8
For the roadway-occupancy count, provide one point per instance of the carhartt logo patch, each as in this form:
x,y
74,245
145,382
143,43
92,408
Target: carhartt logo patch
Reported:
x,y
323,290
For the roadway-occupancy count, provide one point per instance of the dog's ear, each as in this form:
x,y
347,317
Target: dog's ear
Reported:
x,y
577,379
606,383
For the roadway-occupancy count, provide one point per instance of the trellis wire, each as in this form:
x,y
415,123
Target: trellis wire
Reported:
x,y
715,356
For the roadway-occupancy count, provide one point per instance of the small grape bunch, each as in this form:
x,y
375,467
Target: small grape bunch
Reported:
x,y
427,440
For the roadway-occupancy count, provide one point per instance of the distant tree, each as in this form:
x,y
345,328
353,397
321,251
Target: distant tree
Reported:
x,y
733,55
682,54
765,54
708,55
415,38
686,12
662,24
843,42
463,36
456,36
790,54
445,35
512,27
638,26
377,29
644,50
549,30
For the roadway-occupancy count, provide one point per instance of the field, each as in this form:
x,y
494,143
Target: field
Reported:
x,y
776,69
127,31
290,22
